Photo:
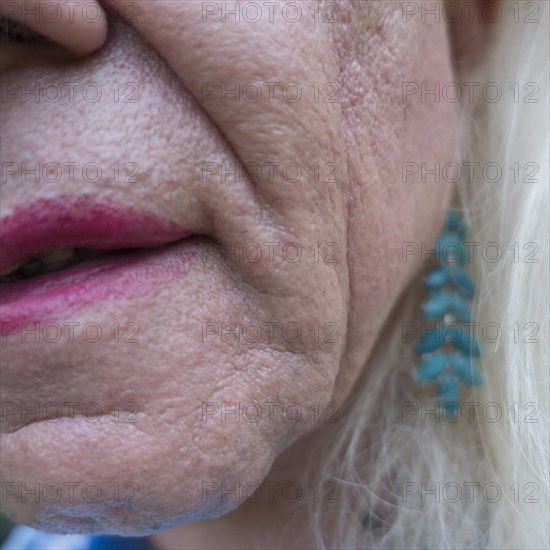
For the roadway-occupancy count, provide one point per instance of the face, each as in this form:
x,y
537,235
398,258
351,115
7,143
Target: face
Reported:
x,y
257,168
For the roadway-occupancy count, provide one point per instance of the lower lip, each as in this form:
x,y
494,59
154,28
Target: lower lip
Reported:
x,y
49,296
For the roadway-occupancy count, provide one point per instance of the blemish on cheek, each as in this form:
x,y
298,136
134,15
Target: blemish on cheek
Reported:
x,y
353,86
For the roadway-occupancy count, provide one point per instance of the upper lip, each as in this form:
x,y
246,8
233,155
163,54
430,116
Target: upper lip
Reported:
x,y
79,222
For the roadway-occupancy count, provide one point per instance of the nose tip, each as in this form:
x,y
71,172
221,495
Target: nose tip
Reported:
x,y
78,25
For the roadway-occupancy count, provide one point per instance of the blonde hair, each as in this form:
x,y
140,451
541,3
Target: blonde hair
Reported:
x,y
399,467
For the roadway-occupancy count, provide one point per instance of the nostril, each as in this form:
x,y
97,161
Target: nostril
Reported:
x,y
78,25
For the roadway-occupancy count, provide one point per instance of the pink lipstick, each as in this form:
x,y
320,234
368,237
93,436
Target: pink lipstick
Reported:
x,y
65,222
79,222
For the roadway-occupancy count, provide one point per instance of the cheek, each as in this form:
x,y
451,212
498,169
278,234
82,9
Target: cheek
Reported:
x,y
431,167
415,146
398,147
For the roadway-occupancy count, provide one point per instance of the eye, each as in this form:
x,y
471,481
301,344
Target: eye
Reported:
x,y
16,32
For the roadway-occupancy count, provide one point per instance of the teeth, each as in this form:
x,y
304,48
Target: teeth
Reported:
x,y
54,256
11,269
88,254
57,259
46,262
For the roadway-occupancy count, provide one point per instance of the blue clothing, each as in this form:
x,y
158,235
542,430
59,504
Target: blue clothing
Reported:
x,y
26,538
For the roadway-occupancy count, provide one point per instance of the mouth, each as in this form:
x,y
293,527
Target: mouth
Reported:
x,y
58,255
56,260
49,232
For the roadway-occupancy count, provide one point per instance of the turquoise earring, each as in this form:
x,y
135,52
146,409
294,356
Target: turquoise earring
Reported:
x,y
448,351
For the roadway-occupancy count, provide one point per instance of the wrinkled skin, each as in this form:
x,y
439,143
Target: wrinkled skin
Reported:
x,y
367,214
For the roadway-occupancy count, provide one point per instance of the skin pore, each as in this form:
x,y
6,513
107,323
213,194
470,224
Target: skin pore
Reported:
x,y
186,136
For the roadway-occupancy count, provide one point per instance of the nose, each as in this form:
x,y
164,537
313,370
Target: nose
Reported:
x,y
79,25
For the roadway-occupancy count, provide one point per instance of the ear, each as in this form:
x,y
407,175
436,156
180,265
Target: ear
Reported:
x,y
470,25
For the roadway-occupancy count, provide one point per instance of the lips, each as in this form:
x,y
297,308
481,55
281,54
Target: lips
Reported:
x,y
68,222
53,226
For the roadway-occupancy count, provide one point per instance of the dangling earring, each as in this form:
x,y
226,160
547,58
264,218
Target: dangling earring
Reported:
x,y
450,289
